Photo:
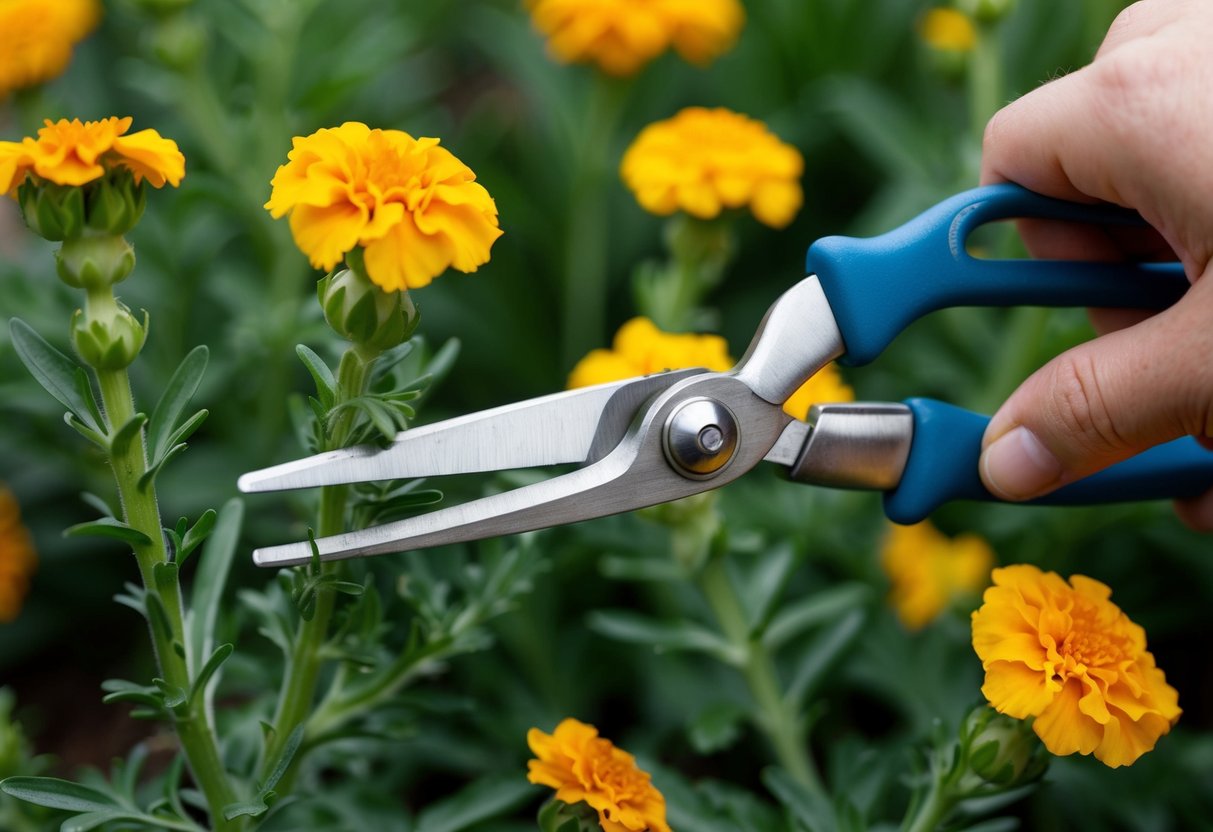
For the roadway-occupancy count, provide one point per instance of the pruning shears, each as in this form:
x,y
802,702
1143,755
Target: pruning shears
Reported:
x,y
678,433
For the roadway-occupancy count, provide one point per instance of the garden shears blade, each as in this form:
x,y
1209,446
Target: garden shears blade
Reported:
x,y
671,435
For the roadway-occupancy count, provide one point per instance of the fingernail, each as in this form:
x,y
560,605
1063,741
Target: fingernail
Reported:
x,y
1017,466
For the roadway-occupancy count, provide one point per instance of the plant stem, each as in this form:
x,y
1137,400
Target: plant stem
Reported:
x,y
784,727
985,90
587,252
303,669
141,511
932,810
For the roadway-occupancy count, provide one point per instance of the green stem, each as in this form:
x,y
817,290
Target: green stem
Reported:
x,y
303,669
141,511
587,253
932,810
784,727
986,94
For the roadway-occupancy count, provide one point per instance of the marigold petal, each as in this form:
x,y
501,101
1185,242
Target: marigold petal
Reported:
x,y
1063,728
776,203
404,258
152,157
1017,690
599,367
1124,740
327,234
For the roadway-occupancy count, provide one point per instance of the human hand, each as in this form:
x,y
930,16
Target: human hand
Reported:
x,y
1132,128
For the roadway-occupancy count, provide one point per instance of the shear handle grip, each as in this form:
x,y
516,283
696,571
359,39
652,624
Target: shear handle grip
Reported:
x,y
942,466
880,285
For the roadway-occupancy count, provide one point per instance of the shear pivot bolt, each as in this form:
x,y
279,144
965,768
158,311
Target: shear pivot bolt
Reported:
x,y
700,438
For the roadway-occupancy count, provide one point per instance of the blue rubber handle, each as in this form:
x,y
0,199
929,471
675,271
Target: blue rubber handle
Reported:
x,y
942,467
879,286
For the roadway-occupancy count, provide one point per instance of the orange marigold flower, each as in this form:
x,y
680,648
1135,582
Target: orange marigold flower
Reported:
x,y
76,153
702,161
17,559
621,36
414,208
948,30
928,570
1066,655
37,37
583,767
826,386
640,348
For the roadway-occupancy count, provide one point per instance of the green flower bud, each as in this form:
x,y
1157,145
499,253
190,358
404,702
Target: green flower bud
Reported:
x,y
114,203
986,11
558,816
95,261
107,336
1002,751
53,212
180,41
361,312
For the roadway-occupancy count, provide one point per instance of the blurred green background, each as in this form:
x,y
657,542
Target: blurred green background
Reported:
x,y
886,130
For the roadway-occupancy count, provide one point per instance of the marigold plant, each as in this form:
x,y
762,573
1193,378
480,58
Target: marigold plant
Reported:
x,y
37,38
414,208
583,767
76,153
17,558
702,161
928,570
641,348
621,36
1066,655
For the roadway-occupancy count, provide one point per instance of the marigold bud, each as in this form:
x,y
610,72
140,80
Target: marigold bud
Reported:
x,y
53,212
94,261
361,312
1001,750
107,336
180,41
558,816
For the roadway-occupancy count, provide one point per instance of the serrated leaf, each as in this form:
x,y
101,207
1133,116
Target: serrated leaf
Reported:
x,y
326,384
111,528
53,370
54,793
176,397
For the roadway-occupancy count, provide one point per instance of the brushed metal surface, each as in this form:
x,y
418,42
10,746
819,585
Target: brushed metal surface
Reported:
x,y
858,445
635,474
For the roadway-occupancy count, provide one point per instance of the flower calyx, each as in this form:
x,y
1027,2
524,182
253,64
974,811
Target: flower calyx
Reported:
x,y
106,334
361,312
94,261
558,816
111,205
1001,751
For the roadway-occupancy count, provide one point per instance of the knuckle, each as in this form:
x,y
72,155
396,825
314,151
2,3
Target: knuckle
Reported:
x,y
1134,84
1080,408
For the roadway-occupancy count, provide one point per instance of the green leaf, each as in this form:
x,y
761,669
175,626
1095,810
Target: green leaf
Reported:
x,y
85,388
167,576
176,397
103,508
187,428
249,808
486,798
813,810
121,441
326,384
217,658
284,759
823,652
110,528
716,728
622,568
763,584
196,534
214,564
84,430
122,690
149,476
819,608
91,820
663,635
53,370
54,793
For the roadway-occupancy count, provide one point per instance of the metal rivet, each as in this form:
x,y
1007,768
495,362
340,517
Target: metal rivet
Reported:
x,y
701,436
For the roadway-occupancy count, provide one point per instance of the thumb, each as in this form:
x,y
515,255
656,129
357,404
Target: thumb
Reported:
x,y
1102,402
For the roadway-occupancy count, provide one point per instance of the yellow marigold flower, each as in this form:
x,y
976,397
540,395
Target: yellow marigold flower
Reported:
x,y
640,348
948,30
825,387
37,37
1066,655
76,153
414,208
621,36
581,766
702,161
17,559
928,570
